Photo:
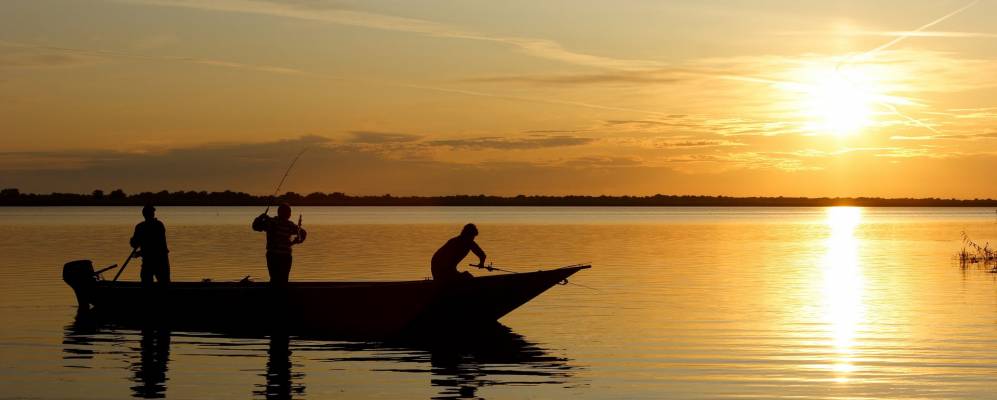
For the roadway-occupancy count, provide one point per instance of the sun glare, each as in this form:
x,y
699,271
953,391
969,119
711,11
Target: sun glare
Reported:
x,y
838,99
843,287
838,106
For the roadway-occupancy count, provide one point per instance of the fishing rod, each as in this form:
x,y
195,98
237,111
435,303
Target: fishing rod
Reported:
x,y
490,267
297,238
286,173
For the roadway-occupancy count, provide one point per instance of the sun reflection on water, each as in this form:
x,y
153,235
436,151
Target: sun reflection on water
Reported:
x,y
843,308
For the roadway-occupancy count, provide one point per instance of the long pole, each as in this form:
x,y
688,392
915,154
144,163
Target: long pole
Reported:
x,y
130,256
286,173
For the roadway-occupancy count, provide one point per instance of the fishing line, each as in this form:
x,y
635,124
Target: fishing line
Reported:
x,y
286,173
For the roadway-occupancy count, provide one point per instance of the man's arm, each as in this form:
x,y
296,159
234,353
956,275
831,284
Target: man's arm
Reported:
x,y
302,234
261,223
478,252
162,229
135,241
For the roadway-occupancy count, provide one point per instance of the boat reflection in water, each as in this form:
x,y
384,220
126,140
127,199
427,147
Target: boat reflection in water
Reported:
x,y
279,378
458,364
85,339
152,363
460,371
461,363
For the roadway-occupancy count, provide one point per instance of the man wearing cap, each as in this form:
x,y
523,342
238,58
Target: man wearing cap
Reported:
x,y
149,241
446,259
279,232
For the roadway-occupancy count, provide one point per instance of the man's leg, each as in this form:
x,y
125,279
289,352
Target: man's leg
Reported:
x,y
279,267
163,273
445,273
272,266
148,270
287,268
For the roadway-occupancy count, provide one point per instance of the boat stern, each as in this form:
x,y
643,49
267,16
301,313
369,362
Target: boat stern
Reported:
x,y
79,275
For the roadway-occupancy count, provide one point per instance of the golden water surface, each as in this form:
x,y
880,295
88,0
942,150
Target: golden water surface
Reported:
x,y
680,303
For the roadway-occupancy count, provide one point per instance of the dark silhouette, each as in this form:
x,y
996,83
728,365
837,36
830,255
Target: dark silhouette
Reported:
x,y
152,364
77,341
13,197
346,309
150,240
463,363
447,257
279,232
280,378
80,276
457,363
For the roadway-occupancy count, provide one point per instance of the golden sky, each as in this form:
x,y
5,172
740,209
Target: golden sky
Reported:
x,y
842,98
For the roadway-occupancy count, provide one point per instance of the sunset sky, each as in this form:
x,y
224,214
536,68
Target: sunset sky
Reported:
x,y
816,98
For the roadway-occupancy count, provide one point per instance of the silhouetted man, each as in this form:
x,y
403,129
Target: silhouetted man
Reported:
x,y
150,241
446,259
279,231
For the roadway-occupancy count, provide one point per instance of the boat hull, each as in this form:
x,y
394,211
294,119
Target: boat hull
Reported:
x,y
346,308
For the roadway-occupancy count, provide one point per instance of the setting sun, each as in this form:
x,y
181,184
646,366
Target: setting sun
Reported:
x,y
839,106
836,99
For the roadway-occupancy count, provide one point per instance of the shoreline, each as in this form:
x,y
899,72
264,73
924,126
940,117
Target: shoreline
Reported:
x,y
988,205
14,198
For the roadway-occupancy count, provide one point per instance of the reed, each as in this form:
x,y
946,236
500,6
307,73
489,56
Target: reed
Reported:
x,y
974,254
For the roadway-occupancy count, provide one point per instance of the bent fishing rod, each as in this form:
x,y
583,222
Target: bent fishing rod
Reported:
x,y
490,267
286,173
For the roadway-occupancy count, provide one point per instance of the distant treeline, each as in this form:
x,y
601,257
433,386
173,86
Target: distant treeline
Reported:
x,y
13,197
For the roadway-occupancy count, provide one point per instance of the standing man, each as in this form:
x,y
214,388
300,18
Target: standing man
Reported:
x,y
279,231
446,259
149,241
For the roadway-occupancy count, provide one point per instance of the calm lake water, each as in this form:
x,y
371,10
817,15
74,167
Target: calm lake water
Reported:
x,y
685,303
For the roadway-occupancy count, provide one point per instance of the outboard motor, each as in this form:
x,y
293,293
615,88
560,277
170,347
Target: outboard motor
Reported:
x,y
80,276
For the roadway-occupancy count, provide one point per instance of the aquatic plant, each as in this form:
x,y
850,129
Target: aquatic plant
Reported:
x,y
973,253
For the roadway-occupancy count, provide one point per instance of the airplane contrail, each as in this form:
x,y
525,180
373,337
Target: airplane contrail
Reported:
x,y
869,54
799,86
914,32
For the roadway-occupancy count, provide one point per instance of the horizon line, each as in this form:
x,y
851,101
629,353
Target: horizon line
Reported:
x,y
118,197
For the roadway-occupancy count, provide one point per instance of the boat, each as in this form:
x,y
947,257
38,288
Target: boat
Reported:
x,y
346,308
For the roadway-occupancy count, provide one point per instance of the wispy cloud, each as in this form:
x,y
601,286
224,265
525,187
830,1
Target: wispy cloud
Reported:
x,y
513,143
106,55
912,153
967,136
671,142
369,137
657,76
332,13
910,34
60,53
328,166
604,161
754,160
156,41
25,57
351,167
916,137
698,143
